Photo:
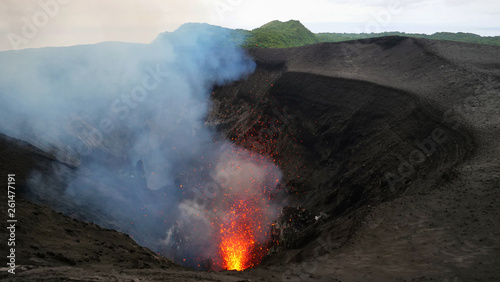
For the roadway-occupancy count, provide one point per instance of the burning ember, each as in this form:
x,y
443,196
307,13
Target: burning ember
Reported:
x,y
226,223
238,247
246,209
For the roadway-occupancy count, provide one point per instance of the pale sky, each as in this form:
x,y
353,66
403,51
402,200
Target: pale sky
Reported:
x,y
29,24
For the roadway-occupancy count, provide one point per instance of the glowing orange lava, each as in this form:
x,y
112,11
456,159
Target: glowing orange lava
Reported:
x,y
235,251
237,247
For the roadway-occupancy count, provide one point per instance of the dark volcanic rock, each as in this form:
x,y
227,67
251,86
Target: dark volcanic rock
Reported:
x,y
389,148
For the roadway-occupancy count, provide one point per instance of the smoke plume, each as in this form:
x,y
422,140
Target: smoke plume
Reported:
x,y
126,124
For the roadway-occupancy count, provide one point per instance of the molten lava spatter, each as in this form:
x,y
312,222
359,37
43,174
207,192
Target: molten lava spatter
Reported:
x,y
230,222
235,251
238,247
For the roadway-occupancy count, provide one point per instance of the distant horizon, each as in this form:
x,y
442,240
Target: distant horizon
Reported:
x,y
316,28
421,29
352,27
35,24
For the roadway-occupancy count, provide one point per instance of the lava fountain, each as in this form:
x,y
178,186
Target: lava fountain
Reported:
x,y
238,243
227,226
247,209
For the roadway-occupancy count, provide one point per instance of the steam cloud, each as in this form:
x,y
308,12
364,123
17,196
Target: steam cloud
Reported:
x,y
126,122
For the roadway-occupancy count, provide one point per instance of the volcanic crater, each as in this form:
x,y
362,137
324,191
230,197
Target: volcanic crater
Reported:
x,y
389,152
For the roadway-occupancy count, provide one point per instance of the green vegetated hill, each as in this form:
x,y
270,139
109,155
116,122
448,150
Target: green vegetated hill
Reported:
x,y
292,33
460,36
278,34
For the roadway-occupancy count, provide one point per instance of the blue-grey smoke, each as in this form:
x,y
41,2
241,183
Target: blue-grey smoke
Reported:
x,y
126,123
